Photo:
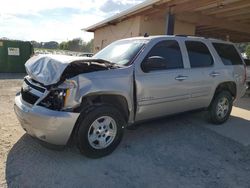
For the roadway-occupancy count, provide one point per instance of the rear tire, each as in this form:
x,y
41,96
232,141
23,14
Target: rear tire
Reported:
x,y
221,107
100,131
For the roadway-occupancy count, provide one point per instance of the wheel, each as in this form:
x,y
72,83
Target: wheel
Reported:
x,y
100,132
221,107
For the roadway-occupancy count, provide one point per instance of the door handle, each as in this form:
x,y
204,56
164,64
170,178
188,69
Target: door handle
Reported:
x,y
181,78
214,74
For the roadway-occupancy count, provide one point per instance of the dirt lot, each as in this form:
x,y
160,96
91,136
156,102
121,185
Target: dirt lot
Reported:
x,y
180,151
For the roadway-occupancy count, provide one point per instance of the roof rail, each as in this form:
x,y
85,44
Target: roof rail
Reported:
x,y
189,36
215,39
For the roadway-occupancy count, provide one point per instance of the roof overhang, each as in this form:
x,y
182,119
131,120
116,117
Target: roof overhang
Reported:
x,y
213,18
123,15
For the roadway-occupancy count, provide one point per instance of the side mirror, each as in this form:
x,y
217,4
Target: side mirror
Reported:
x,y
154,63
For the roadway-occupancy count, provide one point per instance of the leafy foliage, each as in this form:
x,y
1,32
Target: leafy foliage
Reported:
x,y
248,51
77,45
47,45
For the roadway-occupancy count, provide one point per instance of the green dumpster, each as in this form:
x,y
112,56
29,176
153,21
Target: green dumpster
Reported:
x,y
13,55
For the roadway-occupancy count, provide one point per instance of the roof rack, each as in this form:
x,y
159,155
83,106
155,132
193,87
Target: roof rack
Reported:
x,y
189,36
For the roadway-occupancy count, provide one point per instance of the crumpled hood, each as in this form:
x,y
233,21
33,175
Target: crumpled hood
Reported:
x,y
47,69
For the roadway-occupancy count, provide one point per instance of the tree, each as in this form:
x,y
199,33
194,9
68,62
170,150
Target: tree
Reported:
x,y
248,51
90,46
64,46
77,45
50,45
242,46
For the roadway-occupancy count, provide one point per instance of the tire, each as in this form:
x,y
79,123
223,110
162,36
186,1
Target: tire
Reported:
x,y
218,112
96,142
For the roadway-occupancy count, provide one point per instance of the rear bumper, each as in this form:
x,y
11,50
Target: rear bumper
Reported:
x,y
241,91
54,127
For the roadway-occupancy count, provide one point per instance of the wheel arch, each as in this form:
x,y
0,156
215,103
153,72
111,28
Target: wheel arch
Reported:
x,y
229,86
118,101
94,100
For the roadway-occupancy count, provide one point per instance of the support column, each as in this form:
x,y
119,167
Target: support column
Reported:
x,y
170,19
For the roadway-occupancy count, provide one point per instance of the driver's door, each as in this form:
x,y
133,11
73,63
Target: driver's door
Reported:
x,y
163,91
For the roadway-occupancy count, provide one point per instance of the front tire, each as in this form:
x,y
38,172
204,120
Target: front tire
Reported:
x,y
100,131
221,107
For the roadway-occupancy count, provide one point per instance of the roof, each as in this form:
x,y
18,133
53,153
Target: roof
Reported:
x,y
213,18
129,12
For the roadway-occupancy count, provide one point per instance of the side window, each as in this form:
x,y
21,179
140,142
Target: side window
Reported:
x,y
228,54
247,62
169,54
199,55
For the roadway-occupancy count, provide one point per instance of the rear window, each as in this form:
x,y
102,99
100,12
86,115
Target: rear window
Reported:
x,y
199,55
228,54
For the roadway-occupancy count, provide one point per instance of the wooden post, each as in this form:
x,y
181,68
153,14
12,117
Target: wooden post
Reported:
x,y
170,19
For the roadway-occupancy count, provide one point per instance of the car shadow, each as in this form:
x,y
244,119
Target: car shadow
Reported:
x,y
172,151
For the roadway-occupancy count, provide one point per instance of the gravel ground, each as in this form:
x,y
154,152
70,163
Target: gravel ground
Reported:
x,y
178,151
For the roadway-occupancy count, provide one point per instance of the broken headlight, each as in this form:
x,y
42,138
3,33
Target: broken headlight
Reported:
x,y
58,98
55,99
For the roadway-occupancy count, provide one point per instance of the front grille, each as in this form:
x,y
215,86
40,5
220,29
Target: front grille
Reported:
x,y
34,86
30,91
29,97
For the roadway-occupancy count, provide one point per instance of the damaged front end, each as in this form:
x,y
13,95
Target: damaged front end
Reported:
x,y
53,98
49,82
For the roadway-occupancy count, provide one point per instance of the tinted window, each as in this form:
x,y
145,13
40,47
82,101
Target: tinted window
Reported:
x,y
228,54
170,52
199,55
247,61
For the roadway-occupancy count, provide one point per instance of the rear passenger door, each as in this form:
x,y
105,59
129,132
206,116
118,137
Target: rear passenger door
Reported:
x,y
202,75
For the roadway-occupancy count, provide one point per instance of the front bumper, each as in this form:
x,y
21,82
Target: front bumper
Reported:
x,y
54,127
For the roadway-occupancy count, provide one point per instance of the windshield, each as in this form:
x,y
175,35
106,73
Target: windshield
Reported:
x,y
121,52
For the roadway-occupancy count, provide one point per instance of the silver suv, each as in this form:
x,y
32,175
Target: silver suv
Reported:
x,y
132,80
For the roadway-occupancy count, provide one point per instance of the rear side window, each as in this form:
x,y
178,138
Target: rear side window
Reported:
x,y
247,61
199,55
170,51
228,54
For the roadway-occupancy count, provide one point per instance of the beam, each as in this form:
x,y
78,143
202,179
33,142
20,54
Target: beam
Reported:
x,y
216,4
222,34
233,13
227,7
243,17
191,5
200,19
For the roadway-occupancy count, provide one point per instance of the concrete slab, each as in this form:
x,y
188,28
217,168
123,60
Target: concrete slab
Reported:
x,y
238,126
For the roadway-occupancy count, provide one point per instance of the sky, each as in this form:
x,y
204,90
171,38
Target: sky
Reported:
x,y
55,20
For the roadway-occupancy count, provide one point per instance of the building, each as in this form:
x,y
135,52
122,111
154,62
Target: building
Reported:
x,y
224,19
